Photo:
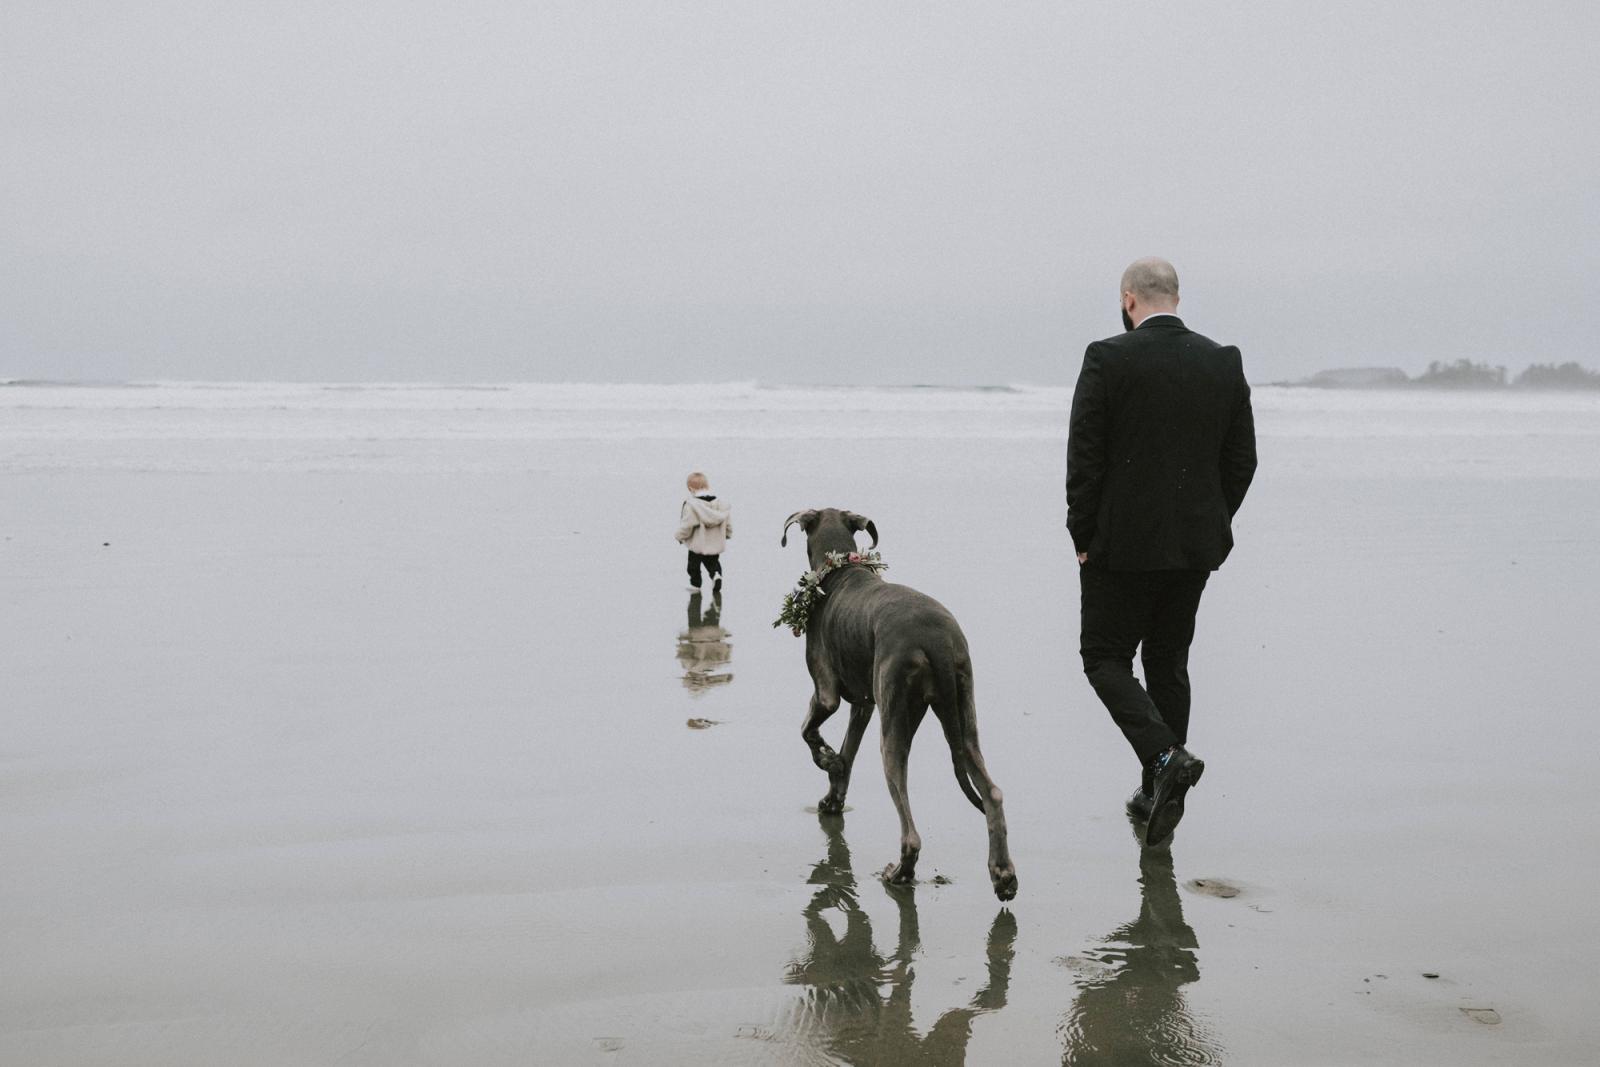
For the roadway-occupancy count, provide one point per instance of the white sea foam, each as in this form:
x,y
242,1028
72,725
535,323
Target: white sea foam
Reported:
x,y
518,396
276,425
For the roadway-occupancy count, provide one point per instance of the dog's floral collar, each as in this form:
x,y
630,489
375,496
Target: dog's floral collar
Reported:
x,y
798,605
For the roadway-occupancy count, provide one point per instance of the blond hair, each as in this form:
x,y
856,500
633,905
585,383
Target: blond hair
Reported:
x,y
698,481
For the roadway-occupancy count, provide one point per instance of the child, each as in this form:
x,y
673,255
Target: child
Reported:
x,y
704,525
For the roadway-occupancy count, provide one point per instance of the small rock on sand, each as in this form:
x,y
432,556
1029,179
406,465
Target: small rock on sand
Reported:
x,y
756,1033
704,724
1212,887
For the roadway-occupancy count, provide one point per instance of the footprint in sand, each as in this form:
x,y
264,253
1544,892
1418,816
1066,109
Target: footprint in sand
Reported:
x,y
1486,1016
1085,966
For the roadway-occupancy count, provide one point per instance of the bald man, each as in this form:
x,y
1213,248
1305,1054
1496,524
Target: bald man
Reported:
x,y
1160,453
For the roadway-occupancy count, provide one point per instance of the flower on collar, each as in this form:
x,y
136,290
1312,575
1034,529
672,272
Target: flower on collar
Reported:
x,y
802,601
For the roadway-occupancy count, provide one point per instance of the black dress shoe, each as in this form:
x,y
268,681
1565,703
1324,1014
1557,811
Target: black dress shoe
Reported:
x,y
1140,805
1172,782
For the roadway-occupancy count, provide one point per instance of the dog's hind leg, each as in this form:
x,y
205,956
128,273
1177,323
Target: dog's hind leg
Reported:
x,y
839,780
960,724
1002,872
900,723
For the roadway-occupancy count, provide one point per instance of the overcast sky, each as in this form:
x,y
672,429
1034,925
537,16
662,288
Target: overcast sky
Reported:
x,y
799,192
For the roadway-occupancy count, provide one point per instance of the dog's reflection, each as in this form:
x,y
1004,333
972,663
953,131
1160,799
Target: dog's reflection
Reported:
x,y
703,649
857,1006
1129,1009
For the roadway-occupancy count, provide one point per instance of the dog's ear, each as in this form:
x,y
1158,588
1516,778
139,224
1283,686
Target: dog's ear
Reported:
x,y
861,522
806,519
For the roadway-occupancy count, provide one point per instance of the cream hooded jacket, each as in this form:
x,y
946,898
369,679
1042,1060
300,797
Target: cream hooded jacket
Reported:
x,y
705,525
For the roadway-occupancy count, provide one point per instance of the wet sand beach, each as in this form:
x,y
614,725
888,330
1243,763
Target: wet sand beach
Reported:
x,y
354,726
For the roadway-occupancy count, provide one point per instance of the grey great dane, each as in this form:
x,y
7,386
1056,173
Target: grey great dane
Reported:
x,y
875,644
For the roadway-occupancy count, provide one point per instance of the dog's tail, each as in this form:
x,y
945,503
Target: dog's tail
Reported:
x,y
966,782
958,715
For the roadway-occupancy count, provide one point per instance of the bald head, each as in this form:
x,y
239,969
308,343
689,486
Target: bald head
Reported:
x,y
1149,285
1152,280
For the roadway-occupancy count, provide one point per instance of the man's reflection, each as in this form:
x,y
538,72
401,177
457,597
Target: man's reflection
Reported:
x,y
1133,1012
858,1003
703,647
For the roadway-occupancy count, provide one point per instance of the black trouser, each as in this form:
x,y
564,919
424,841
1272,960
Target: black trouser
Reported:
x,y
712,564
1123,610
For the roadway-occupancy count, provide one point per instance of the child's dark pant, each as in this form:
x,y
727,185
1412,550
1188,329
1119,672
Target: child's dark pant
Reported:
x,y
712,564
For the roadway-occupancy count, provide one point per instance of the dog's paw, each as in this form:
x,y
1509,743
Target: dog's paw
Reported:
x,y
1005,881
900,874
828,760
830,805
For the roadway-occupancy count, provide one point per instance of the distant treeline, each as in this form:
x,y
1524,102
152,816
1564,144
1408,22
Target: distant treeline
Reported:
x,y
1462,374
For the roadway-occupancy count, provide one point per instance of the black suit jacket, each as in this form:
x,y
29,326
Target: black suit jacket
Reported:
x,y
1161,449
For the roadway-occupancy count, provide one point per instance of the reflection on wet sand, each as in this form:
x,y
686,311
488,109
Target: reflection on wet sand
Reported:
x,y
703,648
1129,1009
857,1006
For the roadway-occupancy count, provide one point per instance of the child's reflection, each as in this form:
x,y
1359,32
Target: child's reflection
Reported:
x,y
703,647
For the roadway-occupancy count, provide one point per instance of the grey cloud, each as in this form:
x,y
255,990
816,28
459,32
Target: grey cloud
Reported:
x,y
816,192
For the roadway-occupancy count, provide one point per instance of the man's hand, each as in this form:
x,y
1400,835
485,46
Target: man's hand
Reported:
x,y
1083,557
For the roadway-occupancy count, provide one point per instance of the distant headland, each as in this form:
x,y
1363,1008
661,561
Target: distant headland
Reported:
x,y
1462,374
